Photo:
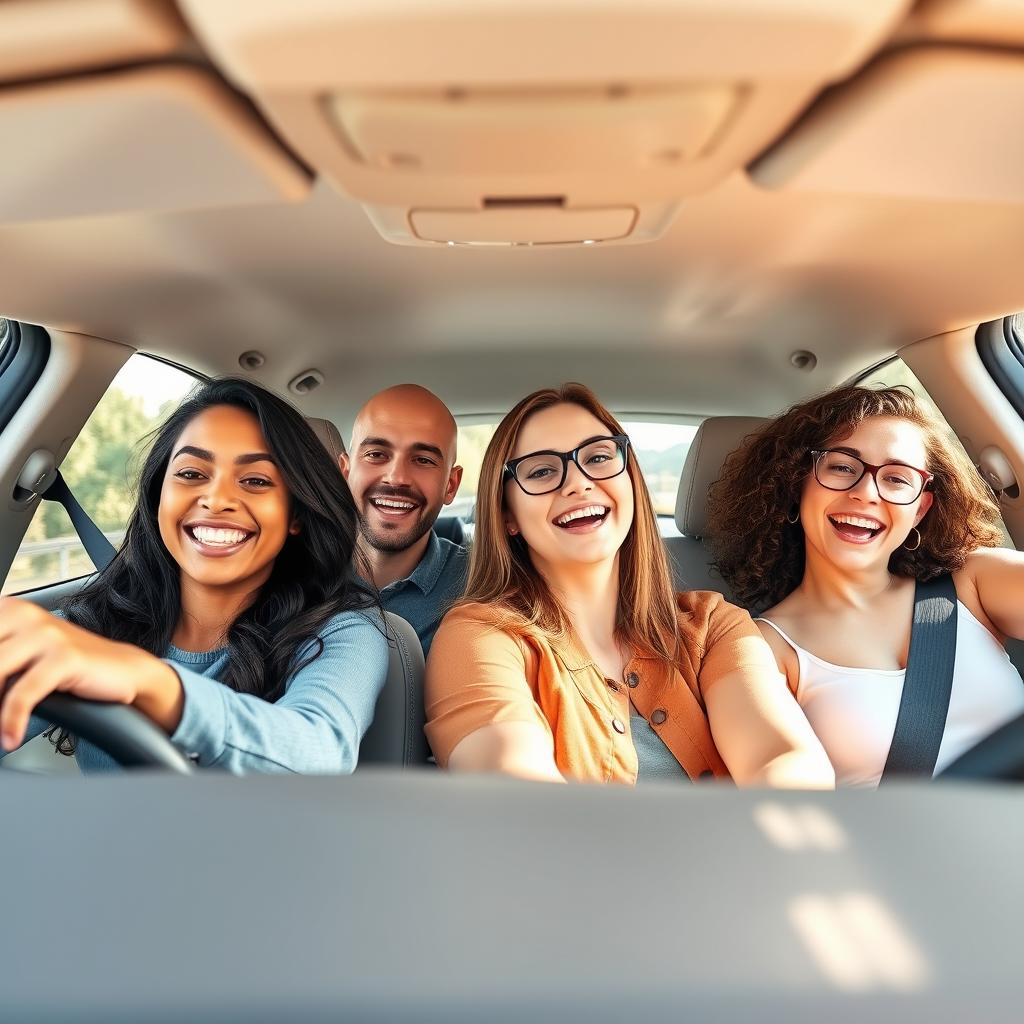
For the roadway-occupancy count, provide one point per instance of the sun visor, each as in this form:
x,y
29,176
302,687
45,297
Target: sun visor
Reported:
x,y
146,140
929,123
992,22
47,37
532,123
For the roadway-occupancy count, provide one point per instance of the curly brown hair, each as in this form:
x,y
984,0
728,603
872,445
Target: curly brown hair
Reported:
x,y
761,554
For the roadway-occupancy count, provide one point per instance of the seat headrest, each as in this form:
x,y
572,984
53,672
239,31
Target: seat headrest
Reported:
x,y
715,439
329,436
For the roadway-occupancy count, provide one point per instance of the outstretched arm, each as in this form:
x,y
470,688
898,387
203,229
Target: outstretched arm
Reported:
x,y
759,729
481,713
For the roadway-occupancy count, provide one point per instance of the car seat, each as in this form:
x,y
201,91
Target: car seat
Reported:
x,y
690,555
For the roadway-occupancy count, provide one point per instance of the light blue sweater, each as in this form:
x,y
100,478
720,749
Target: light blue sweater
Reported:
x,y
314,728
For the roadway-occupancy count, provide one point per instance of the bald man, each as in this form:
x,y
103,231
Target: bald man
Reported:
x,y
401,469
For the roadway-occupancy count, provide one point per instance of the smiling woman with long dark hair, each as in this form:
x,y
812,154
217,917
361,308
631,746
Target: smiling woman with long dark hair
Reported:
x,y
232,615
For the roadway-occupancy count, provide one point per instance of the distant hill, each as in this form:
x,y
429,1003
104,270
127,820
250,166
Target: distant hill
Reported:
x,y
668,461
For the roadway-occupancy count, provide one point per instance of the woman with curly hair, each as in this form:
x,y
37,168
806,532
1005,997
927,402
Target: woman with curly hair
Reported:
x,y
570,657
824,521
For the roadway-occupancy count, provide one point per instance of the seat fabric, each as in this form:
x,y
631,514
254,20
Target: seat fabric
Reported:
x,y
690,555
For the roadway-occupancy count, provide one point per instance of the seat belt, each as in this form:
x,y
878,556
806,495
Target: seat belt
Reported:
x,y
97,547
928,682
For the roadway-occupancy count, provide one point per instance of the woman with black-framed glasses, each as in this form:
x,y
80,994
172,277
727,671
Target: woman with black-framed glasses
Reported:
x,y
570,656
827,518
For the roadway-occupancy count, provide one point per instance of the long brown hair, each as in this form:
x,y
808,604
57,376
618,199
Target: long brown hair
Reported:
x,y
761,554
501,574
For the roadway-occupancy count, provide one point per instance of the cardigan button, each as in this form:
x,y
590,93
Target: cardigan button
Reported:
x,y
632,680
618,726
658,716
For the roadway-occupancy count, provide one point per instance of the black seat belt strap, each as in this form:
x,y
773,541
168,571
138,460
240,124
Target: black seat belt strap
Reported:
x,y
928,681
97,547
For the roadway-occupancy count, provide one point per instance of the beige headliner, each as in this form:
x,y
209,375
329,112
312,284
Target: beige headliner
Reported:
x,y
703,320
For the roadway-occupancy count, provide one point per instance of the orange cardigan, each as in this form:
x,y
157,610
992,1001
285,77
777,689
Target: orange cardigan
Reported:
x,y
479,674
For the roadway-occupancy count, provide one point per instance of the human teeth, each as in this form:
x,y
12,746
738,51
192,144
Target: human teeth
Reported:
x,y
866,524
208,535
388,503
581,513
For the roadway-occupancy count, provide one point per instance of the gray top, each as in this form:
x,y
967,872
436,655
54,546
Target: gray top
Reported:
x,y
433,587
314,728
654,759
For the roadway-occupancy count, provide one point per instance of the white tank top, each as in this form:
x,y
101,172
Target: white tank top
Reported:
x,y
853,710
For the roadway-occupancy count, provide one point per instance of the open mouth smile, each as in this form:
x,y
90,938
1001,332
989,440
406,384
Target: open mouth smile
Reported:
x,y
856,529
394,508
217,541
585,519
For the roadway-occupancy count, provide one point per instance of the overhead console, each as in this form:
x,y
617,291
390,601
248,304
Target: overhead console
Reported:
x,y
533,122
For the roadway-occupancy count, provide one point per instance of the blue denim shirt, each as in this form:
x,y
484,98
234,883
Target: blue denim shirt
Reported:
x,y
314,728
434,586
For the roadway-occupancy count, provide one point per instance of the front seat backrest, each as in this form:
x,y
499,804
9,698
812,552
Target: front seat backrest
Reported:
x,y
691,558
329,436
396,735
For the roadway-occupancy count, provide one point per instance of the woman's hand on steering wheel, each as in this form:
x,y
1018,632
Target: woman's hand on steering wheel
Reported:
x,y
41,654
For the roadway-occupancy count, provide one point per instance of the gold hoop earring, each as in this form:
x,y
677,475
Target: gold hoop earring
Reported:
x,y
794,519
914,529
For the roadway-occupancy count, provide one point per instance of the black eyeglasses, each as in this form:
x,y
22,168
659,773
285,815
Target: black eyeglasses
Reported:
x,y
600,458
896,483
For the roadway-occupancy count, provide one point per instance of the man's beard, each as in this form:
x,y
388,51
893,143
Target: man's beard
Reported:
x,y
390,540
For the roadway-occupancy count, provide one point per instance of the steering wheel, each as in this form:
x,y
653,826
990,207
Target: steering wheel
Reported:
x,y
127,735
998,756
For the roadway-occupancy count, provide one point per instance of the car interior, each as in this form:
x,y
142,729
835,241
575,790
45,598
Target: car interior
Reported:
x,y
705,210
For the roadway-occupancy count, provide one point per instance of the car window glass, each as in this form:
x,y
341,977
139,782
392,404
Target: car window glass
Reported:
x,y
895,373
659,447
660,450
100,469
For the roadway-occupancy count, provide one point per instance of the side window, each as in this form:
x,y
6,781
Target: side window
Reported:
x,y
101,471
895,373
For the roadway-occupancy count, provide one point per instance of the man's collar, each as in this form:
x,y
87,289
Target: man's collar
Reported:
x,y
426,574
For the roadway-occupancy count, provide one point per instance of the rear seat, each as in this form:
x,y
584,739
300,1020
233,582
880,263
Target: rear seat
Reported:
x,y
690,555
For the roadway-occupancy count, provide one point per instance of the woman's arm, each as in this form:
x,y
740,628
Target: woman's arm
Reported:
x,y
42,654
315,727
759,729
481,714
997,577
522,749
